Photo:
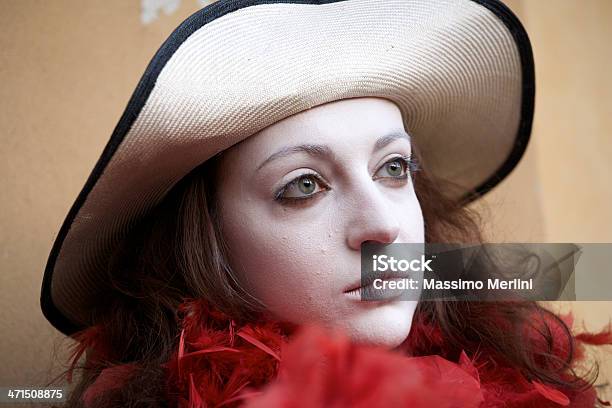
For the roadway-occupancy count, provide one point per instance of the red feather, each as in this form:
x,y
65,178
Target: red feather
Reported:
x,y
319,369
89,340
219,363
195,401
181,352
551,393
466,364
248,337
603,337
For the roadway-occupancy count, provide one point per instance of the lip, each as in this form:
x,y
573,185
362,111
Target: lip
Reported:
x,y
369,280
380,297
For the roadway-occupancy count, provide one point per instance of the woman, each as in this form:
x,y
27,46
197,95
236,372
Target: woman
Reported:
x,y
213,256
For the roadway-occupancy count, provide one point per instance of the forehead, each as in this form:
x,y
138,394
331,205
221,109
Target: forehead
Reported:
x,y
352,123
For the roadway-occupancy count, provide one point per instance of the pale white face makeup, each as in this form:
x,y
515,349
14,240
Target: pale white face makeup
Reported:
x,y
299,198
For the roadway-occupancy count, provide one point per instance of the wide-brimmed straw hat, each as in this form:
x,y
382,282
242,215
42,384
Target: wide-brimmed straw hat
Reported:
x,y
460,71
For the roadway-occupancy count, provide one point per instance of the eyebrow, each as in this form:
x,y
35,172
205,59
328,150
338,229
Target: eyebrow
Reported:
x,y
390,137
318,150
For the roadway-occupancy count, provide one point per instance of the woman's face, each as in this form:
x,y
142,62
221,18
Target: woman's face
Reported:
x,y
299,198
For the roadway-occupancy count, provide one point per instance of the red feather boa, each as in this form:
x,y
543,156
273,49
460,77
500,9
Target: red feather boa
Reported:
x,y
219,364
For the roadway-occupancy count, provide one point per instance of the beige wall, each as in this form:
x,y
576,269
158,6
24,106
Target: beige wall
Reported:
x,y
68,68
562,189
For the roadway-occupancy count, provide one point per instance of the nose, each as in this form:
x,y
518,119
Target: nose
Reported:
x,y
371,219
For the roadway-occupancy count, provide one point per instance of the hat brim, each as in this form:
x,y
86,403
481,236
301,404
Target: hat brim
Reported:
x,y
461,72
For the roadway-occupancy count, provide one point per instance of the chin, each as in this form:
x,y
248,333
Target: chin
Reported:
x,y
386,325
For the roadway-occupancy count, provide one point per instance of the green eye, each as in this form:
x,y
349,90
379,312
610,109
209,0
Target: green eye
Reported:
x,y
306,185
394,168
302,187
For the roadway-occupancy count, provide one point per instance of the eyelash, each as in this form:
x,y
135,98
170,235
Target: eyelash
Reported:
x,y
410,163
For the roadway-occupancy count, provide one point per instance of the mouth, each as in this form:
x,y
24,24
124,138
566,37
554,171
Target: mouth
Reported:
x,y
367,283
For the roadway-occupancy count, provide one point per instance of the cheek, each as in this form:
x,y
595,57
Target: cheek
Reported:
x,y
285,264
410,218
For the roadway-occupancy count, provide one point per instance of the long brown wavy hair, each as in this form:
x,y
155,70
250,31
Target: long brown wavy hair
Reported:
x,y
178,252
